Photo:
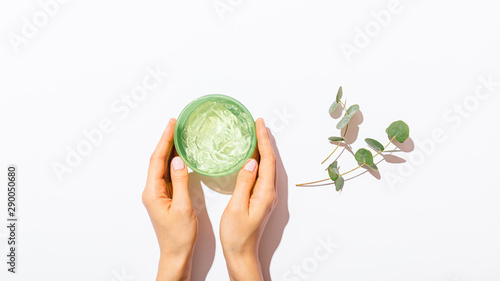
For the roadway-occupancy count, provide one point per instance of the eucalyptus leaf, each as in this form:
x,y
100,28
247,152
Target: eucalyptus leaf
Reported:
x,y
336,138
398,130
373,167
333,107
377,146
391,151
339,94
339,183
353,109
333,171
344,121
364,156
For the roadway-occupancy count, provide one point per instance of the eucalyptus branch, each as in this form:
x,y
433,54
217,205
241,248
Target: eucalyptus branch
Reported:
x,y
398,131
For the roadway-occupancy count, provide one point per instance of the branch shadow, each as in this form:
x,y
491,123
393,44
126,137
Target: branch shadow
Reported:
x,y
393,159
407,146
275,227
345,147
204,249
353,129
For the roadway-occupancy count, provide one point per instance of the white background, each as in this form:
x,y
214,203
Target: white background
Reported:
x,y
437,219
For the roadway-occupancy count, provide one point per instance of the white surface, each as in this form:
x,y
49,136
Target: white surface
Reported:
x,y
441,223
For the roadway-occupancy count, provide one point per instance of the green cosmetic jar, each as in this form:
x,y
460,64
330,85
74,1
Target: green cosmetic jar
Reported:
x,y
215,135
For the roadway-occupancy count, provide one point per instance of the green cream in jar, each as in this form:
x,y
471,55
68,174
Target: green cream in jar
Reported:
x,y
215,135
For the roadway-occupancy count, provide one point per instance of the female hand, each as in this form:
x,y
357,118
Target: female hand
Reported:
x,y
247,212
166,197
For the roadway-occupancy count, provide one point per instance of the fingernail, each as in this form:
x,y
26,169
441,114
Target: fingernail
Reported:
x,y
177,163
262,121
250,166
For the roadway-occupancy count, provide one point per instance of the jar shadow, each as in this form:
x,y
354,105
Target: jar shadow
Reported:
x,y
204,250
224,185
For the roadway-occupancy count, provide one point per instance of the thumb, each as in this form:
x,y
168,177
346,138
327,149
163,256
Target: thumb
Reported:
x,y
180,182
244,184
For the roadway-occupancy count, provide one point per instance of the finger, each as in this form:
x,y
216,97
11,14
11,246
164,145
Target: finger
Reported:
x,y
267,165
173,153
244,184
160,156
274,149
256,154
180,183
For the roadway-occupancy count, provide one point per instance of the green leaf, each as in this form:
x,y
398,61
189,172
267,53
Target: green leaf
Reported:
x,y
398,130
373,167
364,156
353,109
336,138
333,107
347,117
339,183
391,151
344,121
377,146
333,171
339,94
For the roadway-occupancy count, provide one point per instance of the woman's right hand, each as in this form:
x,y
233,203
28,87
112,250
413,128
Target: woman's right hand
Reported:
x,y
248,211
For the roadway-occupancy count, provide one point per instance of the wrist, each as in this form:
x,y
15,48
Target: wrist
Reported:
x,y
243,266
174,267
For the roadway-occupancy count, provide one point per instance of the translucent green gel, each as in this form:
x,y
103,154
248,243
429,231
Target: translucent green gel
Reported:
x,y
216,136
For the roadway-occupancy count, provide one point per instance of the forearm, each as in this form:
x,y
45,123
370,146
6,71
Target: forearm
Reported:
x,y
244,268
174,268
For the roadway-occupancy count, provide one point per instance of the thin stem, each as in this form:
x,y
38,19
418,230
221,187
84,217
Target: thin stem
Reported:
x,y
307,183
332,152
353,170
345,107
345,133
385,146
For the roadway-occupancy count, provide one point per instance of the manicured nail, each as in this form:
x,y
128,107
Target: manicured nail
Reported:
x,y
171,121
250,166
177,163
